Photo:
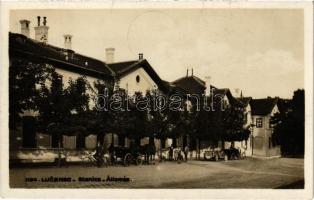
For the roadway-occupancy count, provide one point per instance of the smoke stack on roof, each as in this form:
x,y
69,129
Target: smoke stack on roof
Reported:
x,y
45,21
38,20
187,72
192,71
110,55
68,41
25,27
41,31
140,56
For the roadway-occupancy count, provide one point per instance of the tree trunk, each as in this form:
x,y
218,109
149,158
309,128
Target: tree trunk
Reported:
x,y
198,151
59,152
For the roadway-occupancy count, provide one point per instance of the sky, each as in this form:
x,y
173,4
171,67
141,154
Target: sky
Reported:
x,y
259,51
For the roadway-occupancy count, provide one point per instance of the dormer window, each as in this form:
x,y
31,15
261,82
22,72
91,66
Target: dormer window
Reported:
x,y
138,79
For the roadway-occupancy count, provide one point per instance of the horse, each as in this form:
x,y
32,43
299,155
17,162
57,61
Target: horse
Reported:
x,y
149,151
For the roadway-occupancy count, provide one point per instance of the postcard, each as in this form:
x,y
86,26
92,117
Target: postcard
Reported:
x,y
174,99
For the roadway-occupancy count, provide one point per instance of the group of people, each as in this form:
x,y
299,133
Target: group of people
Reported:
x,y
173,153
176,154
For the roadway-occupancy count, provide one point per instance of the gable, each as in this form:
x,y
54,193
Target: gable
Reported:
x,y
275,110
137,81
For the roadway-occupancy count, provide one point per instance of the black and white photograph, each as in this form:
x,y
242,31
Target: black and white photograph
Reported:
x,y
157,98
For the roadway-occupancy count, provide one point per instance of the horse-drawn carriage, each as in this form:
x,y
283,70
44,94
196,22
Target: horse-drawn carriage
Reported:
x,y
133,155
126,155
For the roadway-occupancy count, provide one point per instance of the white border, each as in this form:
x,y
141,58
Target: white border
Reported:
x,y
158,193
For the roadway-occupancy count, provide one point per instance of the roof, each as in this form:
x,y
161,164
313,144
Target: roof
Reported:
x,y
173,89
245,100
32,49
263,106
191,84
121,69
226,92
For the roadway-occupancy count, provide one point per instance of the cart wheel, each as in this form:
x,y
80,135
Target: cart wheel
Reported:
x,y
138,160
127,159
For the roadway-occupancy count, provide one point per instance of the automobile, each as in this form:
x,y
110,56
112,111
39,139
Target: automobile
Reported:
x,y
221,154
214,154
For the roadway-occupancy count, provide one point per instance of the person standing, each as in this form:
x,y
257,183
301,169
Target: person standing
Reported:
x,y
171,153
186,151
99,154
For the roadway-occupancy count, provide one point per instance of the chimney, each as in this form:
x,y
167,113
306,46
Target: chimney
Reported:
x,y
68,41
140,56
45,21
25,27
207,85
38,20
41,31
192,71
109,55
187,72
237,92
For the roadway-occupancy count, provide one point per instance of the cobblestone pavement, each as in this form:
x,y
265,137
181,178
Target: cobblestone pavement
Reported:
x,y
248,173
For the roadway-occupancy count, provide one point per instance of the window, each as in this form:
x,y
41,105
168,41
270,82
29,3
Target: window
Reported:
x,y
137,79
259,122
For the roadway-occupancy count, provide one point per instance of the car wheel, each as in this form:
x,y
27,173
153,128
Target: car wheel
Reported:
x,y
139,160
127,159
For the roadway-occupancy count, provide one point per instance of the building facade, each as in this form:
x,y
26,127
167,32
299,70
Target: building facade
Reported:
x,y
262,130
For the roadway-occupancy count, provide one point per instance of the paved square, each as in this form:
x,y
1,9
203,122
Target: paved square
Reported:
x,y
248,173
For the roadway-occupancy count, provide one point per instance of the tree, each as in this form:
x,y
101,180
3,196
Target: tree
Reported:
x,y
138,118
99,121
63,111
218,124
54,108
24,77
289,126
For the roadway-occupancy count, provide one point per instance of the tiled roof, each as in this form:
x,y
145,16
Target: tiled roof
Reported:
x,y
20,44
245,100
191,84
263,106
122,67
173,89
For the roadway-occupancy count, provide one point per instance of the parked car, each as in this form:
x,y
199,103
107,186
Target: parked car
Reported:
x,y
219,154
213,154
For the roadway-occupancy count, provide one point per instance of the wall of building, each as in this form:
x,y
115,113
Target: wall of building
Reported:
x,y
262,137
129,82
68,75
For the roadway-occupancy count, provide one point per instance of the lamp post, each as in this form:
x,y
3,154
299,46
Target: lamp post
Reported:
x,y
252,136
